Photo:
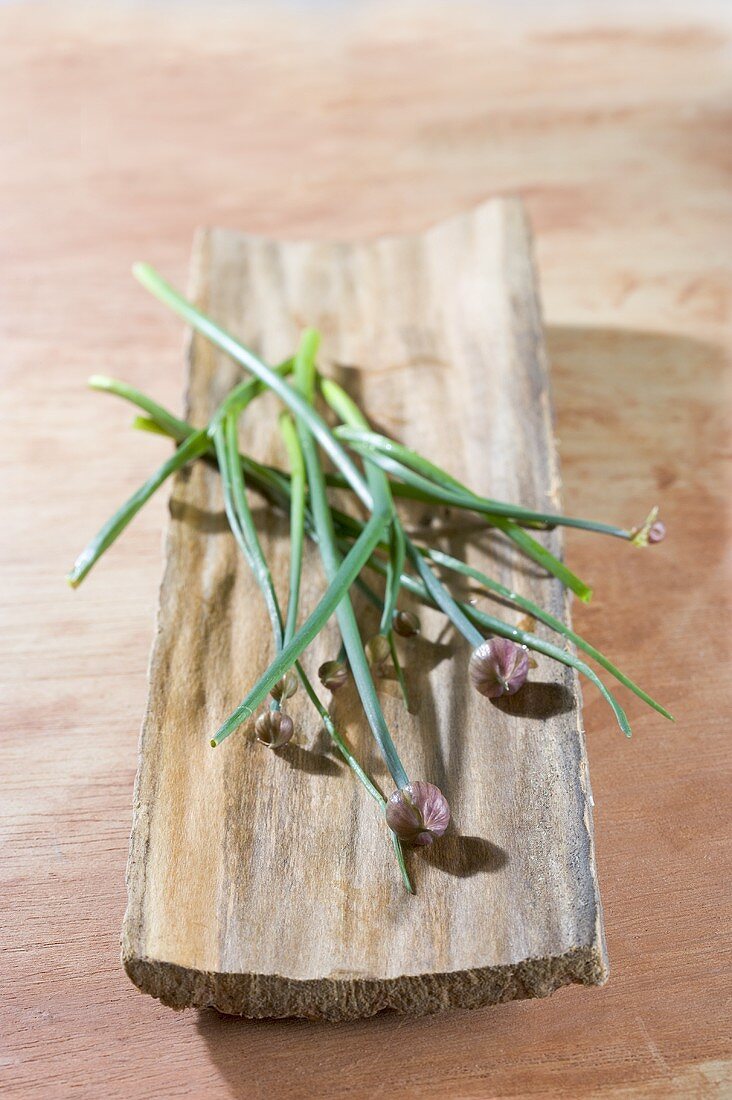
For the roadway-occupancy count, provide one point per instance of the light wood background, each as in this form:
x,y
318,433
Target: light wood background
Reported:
x,y
124,127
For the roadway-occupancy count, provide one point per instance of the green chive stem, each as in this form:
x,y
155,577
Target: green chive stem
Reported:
x,y
194,447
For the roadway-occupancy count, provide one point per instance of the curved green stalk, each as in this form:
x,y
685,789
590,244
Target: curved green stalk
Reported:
x,y
533,609
267,479
348,411
342,404
442,598
467,500
194,447
349,569
379,603
496,626
368,440
532,641
297,529
332,563
397,556
147,424
172,425
227,429
165,293
401,679
297,517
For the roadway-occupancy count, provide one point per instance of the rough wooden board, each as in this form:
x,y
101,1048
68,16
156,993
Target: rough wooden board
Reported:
x,y
263,883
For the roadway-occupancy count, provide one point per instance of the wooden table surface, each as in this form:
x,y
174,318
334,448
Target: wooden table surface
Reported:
x,y
122,127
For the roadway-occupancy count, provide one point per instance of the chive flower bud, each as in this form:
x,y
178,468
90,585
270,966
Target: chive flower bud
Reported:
x,y
377,652
274,728
499,667
285,688
333,674
418,813
405,623
651,531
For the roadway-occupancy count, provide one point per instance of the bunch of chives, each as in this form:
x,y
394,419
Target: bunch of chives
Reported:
x,y
416,812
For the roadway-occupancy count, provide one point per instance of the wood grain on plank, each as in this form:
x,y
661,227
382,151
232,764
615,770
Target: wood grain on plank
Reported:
x,y
263,883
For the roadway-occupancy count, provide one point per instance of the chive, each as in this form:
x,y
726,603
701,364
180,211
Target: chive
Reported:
x,y
147,424
195,445
332,563
537,612
523,637
401,679
172,425
165,293
227,430
368,440
442,598
297,525
344,407
466,500
267,479
349,569
342,404
297,517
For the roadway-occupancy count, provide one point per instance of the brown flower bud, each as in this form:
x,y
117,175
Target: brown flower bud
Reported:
x,y
405,623
333,674
418,814
377,652
499,667
274,728
285,688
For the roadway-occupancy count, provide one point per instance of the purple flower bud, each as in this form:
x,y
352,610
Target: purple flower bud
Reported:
x,y
377,652
652,530
499,667
657,531
286,687
405,623
274,728
418,814
333,674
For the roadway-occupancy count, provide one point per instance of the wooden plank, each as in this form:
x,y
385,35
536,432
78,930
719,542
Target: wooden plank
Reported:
x,y
263,883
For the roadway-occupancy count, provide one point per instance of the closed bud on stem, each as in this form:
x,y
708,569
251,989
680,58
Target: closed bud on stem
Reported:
x,y
651,531
274,728
418,813
333,674
285,688
499,667
377,652
405,623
